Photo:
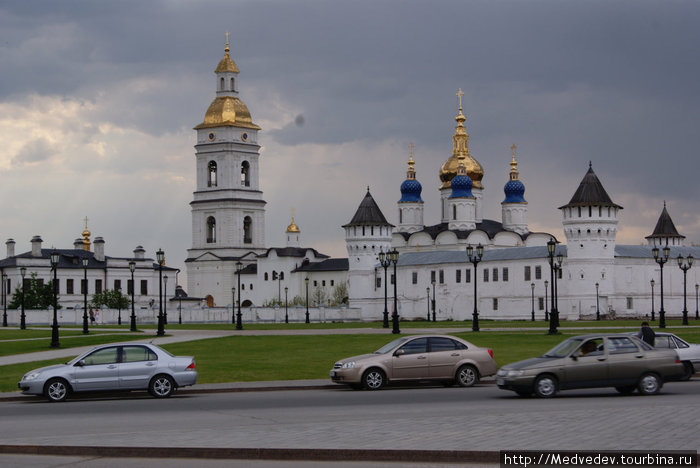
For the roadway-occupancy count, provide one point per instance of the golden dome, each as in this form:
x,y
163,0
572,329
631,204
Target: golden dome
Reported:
x,y
292,227
227,111
226,64
461,155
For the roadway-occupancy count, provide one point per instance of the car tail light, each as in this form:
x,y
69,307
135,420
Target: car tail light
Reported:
x,y
491,354
678,361
191,366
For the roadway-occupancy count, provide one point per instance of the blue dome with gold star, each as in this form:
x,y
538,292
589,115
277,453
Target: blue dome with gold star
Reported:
x,y
461,185
514,190
410,191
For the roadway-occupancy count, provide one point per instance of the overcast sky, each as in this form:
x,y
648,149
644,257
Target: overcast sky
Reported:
x,y
98,101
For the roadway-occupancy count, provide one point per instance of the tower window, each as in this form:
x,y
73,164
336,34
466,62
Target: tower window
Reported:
x,y
221,85
454,212
247,230
211,230
233,88
245,174
211,180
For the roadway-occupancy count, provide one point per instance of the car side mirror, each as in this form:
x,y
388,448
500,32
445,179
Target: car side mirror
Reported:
x,y
80,363
399,352
574,357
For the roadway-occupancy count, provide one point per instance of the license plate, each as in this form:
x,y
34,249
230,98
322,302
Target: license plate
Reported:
x,y
332,373
500,381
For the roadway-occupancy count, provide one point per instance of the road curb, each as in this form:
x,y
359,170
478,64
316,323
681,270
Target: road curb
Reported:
x,y
221,453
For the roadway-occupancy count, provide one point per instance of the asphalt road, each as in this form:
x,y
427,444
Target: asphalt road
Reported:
x,y
482,418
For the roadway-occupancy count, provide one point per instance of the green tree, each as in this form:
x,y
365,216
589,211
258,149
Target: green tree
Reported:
x,y
113,299
37,295
340,294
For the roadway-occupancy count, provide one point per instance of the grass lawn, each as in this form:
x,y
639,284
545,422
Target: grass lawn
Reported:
x,y
259,358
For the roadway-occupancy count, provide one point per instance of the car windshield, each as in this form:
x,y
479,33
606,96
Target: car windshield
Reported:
x,y
564,348
389,346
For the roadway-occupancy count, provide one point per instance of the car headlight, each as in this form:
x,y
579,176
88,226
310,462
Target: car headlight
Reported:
x,y
510,373
31,376
348,365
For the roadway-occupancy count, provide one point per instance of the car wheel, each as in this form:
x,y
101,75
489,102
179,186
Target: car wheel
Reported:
x,y
688,370
626,390
56,390
467,375
374,379
649,384
161,386
545,386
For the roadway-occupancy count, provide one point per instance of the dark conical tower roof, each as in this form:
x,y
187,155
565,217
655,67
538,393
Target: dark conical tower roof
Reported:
x,y
368,213
665,227
590,192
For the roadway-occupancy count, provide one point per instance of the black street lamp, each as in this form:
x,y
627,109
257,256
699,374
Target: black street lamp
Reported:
x,y
532,287
427,297
685,265
597,302
22,317
165,300
546,301
286,304
4,299
433,302
661,260
239,320
160,257
132,268
306,280
652,282
697,286
475,259
54,327
385,262
394,257
557,275
85,261
551,248
178,293
233,306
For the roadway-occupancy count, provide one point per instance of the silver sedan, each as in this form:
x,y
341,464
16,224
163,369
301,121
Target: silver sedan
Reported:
x,y
128,366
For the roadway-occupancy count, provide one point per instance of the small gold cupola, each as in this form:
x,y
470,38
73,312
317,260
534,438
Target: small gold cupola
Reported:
x,y
86,236
460,154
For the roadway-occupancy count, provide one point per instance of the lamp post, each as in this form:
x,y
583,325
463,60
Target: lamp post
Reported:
x,y
661,260
557,274
22,317
385,262
652,282
597,302
697,286
394,257
532,287
433,302
306,280
475,259
85,261
178,293
551,247
546,301
165,300
233,305
54,327
160,257
132,268
685,265
239,321
427,298
4,299
286,305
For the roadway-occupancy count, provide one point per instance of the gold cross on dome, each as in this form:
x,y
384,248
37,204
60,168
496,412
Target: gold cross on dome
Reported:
x,y
410,148
86,220
513,148
460,93
227,33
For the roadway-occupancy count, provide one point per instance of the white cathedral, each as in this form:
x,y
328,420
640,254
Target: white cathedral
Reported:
x,y
228,216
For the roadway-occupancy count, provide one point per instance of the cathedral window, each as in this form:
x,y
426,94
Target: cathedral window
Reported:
x,y
221,85
467,276
400,216
211,230
211,180
245,174
527,273
495,303
540,303
247,230
590,213
579,211
600,211
281,276
505,274
454,212
494,274
458,276
486,275
538,272
414,277
442,277
233,88
266,278
144,287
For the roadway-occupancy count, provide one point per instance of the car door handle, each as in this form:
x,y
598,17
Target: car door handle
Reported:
x,y
602,359
454,354
112,366
422,357
639,356
150,364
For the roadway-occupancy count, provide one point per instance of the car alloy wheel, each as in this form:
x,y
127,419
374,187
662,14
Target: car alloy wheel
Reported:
x,y
161,386
374,379
545,386
56,390
467,376
649,384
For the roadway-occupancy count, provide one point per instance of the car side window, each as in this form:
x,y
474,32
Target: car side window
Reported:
x,y
444,344
417,346
680,343
592,347
101,356
138,353
621,346
661,342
